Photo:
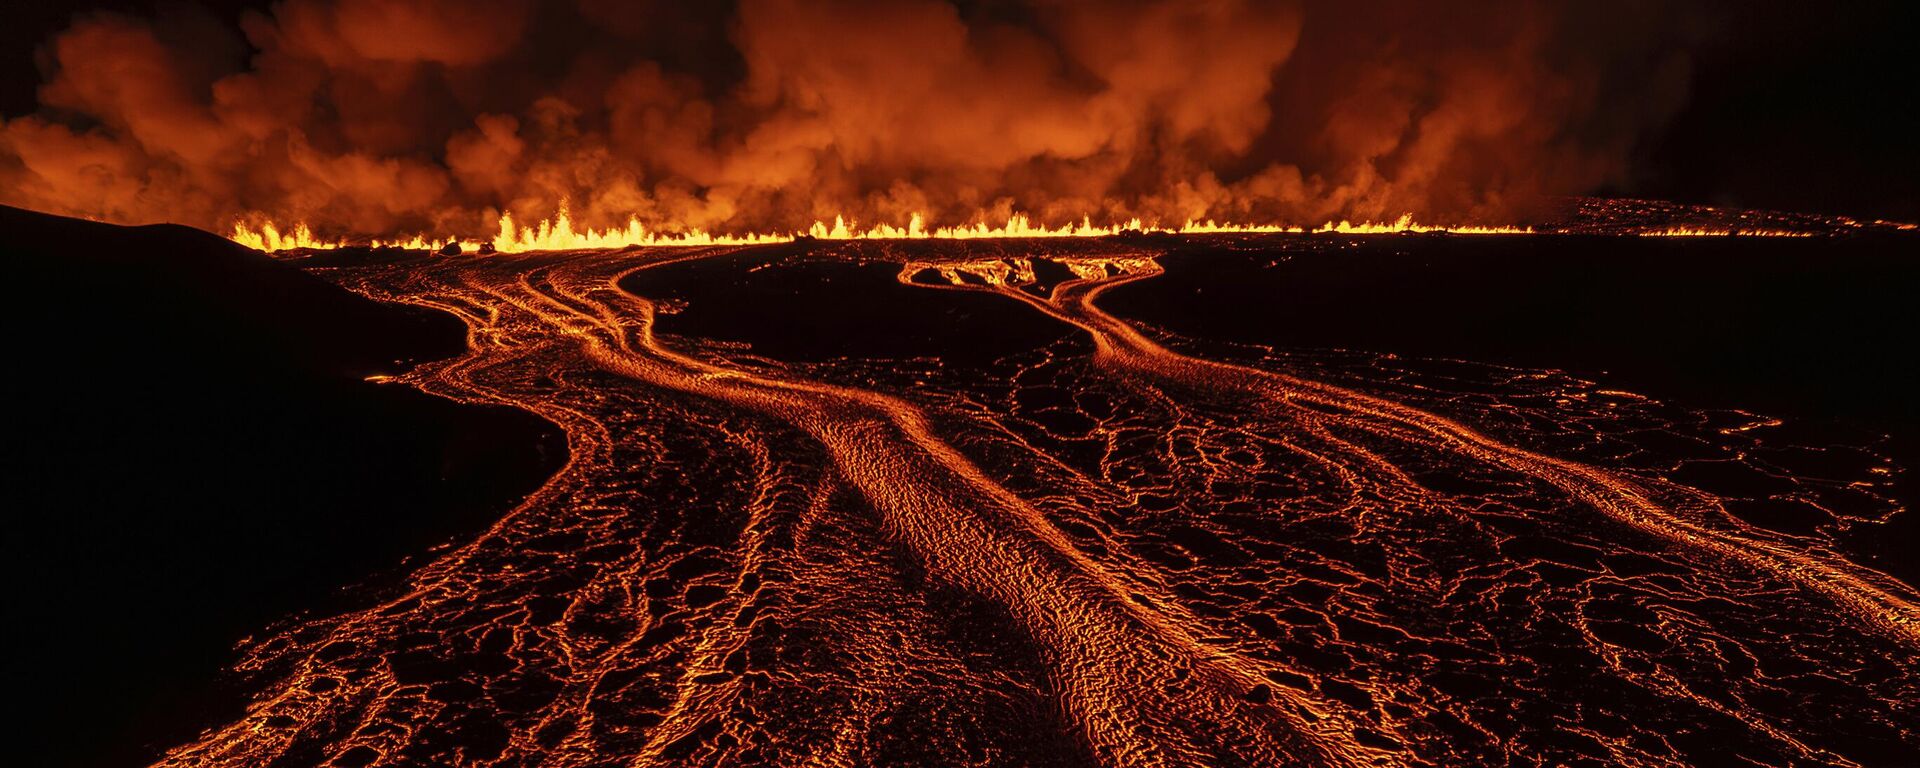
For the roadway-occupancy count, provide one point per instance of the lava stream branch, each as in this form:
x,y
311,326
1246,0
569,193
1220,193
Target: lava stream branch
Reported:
x,y
1875,600
969,530
1102,550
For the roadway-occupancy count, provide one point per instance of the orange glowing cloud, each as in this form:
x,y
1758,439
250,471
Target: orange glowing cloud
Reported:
x,y
434,117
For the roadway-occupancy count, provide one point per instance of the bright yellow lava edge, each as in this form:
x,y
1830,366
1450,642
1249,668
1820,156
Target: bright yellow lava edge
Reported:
x,y
558,234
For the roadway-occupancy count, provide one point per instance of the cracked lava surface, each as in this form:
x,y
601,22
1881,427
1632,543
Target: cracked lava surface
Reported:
x,y
1120,547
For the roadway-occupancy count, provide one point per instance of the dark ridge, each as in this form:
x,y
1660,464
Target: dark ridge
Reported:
x,y
193,454
183,279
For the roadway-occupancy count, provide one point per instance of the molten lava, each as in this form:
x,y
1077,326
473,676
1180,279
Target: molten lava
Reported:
x,y
560,234
267,237
1609,217
1120,548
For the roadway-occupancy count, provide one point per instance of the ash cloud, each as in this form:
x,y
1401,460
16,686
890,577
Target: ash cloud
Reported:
x,y
374,117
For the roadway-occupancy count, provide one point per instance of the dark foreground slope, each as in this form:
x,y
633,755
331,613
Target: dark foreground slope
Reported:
x,y
192,452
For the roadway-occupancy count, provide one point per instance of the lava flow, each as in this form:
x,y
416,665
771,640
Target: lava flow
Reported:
x,y
1588,216
1119,548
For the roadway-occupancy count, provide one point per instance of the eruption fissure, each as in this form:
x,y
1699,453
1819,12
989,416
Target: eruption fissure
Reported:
x,y
559,234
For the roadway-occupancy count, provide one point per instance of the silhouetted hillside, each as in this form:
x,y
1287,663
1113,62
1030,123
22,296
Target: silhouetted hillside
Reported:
x,y
192,453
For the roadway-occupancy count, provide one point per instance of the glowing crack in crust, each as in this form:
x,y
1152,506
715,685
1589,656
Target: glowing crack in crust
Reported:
x,y
1113,550
1875,599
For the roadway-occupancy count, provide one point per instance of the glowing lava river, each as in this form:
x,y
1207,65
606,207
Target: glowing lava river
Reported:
x,y
1084,541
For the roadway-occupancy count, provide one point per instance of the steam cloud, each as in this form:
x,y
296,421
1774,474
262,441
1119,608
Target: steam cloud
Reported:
x,y
374,117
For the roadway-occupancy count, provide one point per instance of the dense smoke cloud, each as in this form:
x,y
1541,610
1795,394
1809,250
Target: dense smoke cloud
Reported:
x,y
388,116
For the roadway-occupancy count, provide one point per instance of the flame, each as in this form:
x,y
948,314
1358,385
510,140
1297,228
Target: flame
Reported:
x,y
1019,225
560,233
419,243
268,238
1406,224
1693,232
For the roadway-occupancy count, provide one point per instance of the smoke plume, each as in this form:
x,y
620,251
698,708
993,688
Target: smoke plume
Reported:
x,y
376,117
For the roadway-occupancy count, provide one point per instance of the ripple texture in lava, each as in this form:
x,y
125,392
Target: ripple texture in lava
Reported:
x,y
1121,548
